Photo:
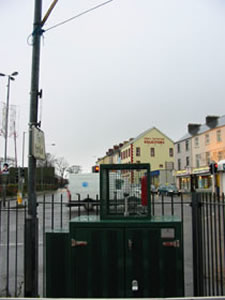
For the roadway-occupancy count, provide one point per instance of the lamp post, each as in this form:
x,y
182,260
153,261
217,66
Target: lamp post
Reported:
x,y
10,77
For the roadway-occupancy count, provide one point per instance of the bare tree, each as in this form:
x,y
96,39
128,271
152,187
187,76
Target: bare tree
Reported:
x,y
61,165
48,162
75,169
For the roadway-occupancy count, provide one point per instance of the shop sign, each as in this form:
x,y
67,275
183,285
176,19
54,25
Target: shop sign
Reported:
x,y
182,173
148,140
201,170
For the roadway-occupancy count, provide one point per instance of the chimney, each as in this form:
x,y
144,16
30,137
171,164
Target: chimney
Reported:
x,y
211,121
193,128
110,151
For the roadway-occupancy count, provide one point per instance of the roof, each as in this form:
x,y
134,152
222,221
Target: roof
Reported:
x,y
204,128
143,134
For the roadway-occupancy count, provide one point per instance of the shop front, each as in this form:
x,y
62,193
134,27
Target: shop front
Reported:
x,y
221,171
202,179
183,180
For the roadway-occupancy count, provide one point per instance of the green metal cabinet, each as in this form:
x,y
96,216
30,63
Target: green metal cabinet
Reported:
x,y
97,268
124,253
56,257
132,258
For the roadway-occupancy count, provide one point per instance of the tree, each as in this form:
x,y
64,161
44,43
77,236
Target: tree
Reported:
x,y
61,165
75,169
48,162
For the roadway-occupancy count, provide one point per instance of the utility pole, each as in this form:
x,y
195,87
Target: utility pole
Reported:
x,y
31,222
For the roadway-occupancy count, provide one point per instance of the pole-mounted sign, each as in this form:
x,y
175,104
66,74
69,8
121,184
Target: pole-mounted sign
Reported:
x,y
38,143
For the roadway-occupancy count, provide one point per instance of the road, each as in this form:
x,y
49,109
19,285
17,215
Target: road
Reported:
x,y
53,213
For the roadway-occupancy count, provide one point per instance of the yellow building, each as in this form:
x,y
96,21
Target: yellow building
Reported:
x,y
151,146
154,147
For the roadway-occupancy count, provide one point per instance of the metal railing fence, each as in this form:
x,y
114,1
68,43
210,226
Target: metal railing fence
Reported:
x,y
54,213
208,244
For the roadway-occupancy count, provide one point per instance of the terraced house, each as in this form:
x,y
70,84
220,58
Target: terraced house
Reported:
x,y
202,145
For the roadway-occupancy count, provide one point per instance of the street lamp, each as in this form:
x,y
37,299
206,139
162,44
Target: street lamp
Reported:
x,y
10,77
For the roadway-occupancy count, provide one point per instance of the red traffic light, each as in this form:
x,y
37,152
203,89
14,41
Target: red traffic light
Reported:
x,y
215,167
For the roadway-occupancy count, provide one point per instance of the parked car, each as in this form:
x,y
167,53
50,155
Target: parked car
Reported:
x,y
153,189
169,190
172,190
162,189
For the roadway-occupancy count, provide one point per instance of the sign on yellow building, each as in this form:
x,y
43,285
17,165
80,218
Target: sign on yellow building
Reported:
x,y
152,146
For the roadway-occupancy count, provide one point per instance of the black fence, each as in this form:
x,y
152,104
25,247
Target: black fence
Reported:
x,y
208,244
202,217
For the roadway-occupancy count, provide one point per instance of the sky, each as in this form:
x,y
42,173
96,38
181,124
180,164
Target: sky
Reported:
x,y
113,73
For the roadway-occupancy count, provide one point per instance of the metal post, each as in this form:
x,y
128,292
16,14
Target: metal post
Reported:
x,y
6,118
31,224
23,149
197,245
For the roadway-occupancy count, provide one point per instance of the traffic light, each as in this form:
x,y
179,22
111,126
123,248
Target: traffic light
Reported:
x,y
213,168
22,172
95,169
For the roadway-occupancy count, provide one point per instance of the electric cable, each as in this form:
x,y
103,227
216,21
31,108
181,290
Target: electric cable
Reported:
x,y
77,16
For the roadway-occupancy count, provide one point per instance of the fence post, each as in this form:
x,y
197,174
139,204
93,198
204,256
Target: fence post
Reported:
x,y
197,244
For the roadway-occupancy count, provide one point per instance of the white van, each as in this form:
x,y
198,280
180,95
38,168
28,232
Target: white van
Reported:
x,y
83,187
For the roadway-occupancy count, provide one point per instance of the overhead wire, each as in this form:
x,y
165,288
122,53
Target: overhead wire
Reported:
x,y
79,15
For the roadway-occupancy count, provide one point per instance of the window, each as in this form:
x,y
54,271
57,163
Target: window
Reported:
x,y
196,141
178,148
207,140
207,158
171,152
152,152
187,145
187,161
179,164
138,151
198,158
220,155
218,136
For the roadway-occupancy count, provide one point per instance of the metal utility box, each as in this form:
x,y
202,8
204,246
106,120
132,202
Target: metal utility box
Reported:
x,y
56,256
123,253
125,191
117,259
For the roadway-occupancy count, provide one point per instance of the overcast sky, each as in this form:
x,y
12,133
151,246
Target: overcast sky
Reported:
x,y
114,72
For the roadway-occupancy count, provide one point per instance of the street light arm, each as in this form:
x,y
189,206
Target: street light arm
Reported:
x,y
14,74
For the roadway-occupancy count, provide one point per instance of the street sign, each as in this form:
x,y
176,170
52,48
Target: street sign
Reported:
x,y
38,145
